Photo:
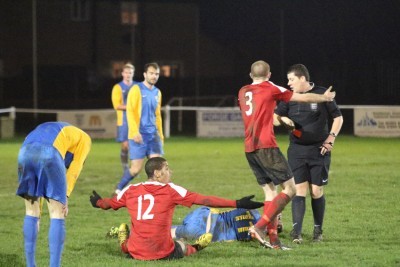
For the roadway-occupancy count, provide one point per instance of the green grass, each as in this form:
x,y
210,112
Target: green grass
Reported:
x,y
361,224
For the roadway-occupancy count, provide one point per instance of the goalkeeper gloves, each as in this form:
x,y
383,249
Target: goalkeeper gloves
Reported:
x,y
247,203
94,198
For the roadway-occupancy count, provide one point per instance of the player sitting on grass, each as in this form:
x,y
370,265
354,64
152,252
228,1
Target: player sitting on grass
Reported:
x,y
151,206
229,225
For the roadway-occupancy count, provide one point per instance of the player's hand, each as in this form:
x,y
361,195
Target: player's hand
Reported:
x,y
138,139
329,95
247,203
286,122
94,198
327,146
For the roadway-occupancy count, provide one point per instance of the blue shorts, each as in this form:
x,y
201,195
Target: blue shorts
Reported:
x,y
228,225
194,224
151,145
41,173
122,133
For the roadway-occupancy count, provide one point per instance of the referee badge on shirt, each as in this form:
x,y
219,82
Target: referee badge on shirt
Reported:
x,y
313,106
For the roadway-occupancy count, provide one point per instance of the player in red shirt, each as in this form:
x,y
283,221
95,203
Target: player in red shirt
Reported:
x,y
151,207
257,103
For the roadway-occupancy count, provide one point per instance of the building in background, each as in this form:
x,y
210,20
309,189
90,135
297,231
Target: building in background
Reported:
x,y
82,44
204,47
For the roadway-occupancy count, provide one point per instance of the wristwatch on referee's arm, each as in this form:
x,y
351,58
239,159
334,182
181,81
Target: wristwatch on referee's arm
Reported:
x,y
333,134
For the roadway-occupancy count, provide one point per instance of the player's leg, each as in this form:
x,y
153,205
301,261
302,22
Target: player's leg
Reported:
x,y
318,207
130,174
55,179
122,137
123,236
201,243
302,176
277,169
124,155
31,229
136,167
319,178
275,207
173,231
137,154
280,223
257,231
270,193
194,224
182,249
179,251
57,211
298,211
28,188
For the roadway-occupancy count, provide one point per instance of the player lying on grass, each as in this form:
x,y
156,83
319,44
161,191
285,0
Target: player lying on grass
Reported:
x,y
229,225
151,206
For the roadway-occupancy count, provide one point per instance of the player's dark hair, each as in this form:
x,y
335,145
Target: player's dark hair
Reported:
x,y
299,70
152,64
154,164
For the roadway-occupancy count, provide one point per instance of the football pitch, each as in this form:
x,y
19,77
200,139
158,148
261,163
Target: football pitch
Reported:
x,y
362,219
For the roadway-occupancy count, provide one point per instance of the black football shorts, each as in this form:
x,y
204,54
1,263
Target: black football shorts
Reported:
x,y
269,165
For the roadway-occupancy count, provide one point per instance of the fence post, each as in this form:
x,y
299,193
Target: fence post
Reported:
x,y
12,113
167,121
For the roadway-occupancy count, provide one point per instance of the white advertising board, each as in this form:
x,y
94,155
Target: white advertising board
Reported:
x,y
219,123
98,123
377,122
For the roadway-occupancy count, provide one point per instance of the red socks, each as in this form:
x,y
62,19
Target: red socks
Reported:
x,y
272,209
124,247
190,250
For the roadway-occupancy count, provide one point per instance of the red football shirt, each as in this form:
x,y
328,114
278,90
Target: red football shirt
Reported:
x,y
257,104
151,207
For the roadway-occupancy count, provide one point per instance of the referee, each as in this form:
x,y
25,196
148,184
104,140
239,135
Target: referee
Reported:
x,y
309,152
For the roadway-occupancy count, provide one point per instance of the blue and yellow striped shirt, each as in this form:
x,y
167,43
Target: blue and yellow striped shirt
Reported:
x,y
143,110
72,143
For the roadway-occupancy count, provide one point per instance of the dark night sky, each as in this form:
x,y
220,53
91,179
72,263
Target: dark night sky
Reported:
x,y
334,39
358,27
350,44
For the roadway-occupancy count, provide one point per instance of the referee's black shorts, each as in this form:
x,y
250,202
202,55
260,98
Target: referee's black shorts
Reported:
x,y
308,165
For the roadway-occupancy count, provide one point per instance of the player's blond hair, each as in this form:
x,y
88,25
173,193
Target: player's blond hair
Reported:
x,y
260,69
128,66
